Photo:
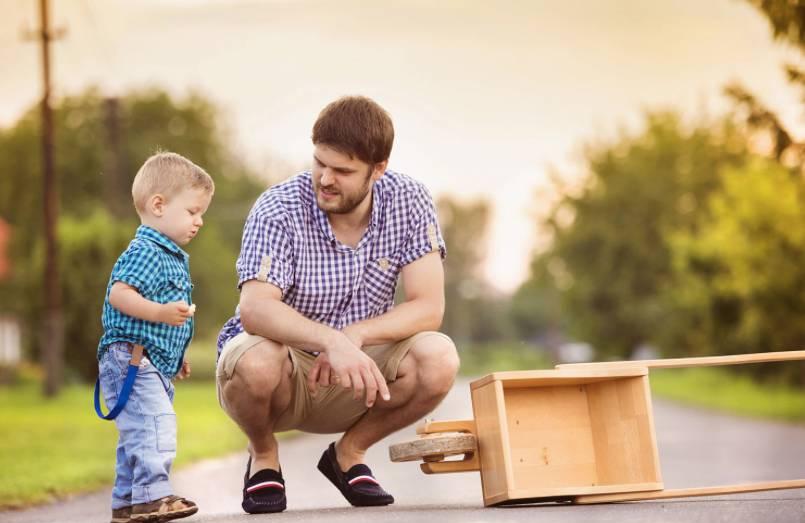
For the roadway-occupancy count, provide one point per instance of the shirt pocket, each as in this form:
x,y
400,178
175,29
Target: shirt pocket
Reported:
x,y
177,289
380,281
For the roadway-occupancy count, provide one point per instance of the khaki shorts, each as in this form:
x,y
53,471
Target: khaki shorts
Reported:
x,y
333,409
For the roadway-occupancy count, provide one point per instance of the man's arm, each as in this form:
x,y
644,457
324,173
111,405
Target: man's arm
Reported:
x,y
262,312
422,310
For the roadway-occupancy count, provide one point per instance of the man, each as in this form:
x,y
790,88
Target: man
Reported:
x,y
316,343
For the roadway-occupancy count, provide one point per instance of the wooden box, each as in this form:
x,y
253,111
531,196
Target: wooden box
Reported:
x,y
546,435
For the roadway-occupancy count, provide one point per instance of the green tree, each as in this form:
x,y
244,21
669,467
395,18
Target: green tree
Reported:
x,y
610,257
473,311
98,217
740,280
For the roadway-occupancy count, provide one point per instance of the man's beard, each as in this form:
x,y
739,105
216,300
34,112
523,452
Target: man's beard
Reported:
x,y
348,202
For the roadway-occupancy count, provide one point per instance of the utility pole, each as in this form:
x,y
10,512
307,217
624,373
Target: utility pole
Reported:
x,y
52,335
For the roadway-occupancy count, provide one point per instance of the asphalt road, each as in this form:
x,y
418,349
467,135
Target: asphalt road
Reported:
x,y
697,448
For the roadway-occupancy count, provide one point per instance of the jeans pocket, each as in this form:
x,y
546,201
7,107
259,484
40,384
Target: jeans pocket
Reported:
x,y
166,432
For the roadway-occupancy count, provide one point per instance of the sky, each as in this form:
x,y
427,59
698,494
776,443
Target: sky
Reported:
x,y
488,98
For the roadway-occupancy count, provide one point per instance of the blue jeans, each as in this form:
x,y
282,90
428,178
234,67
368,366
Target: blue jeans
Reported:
x,y
146,446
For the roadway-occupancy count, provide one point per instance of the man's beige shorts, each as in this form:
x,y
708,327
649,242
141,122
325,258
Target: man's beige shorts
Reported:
x,y
333,409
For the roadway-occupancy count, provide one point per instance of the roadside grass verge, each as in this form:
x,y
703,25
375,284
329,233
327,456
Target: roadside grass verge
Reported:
x,y
53,448
58,447
715,388
726,391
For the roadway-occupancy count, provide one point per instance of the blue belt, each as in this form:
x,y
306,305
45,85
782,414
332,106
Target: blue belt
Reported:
x,y
125,392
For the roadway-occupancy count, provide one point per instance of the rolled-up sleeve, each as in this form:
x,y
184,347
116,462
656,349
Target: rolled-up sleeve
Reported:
x,y
265,252
139,267
424,235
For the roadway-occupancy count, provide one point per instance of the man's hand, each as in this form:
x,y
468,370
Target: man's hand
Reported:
x,y
184,372
344,363
175,313
355,334
322,364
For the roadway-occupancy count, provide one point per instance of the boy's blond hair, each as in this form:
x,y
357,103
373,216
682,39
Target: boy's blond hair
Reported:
x,y
167,174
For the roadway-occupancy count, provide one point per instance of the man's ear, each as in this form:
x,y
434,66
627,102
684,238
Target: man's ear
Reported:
x,y
379,169
156,204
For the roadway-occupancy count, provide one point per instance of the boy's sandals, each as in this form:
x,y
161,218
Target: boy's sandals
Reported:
x,y
121,515
163,509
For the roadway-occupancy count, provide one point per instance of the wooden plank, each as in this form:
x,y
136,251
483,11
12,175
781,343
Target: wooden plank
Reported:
x,y
551,377
432,427
439,444
493,442
470,464
706,361
550,437
622,432
549,494
691,492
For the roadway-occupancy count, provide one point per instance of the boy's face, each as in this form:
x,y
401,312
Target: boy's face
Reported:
x,y
179,218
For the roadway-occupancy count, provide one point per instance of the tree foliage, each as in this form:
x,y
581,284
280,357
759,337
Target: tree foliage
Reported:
x,y
473,312
740,280
97,157
611,258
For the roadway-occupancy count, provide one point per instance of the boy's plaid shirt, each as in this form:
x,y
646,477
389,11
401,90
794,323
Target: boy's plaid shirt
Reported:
x,y
288,241
159,269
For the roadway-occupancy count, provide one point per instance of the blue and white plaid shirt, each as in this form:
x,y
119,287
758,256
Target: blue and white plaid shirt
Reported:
x,y
288,241
159,269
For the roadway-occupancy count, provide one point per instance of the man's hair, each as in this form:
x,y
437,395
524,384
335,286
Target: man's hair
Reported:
x,y
357,126
167,174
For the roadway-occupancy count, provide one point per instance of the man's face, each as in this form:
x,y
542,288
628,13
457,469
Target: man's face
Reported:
x,y
341,183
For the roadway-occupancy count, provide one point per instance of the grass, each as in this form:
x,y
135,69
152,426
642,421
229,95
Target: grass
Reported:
x,y
53,448
59,447
709,387
480,359
719,389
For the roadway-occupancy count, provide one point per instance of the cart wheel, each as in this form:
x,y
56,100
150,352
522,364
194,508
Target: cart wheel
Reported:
x,y
433,447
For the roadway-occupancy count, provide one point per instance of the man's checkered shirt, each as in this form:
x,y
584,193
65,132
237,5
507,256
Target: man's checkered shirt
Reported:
x,y
288,241
159,270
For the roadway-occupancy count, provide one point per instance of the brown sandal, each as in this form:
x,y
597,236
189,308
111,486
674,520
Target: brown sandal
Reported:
x,y
121,515
163,509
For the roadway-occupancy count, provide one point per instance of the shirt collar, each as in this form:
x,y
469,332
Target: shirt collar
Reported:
x,y
149,233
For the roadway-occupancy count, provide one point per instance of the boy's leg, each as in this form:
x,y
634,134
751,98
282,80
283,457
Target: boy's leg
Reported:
x,y
111,378
121,492
148,428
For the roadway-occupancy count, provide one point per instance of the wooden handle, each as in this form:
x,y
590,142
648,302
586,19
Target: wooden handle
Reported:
x,y
470,463
670,363
689,492
456,425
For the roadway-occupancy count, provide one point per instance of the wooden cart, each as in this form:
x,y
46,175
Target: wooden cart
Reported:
x,y
581,432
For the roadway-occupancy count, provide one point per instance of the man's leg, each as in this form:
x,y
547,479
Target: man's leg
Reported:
x,y
256,395
424,378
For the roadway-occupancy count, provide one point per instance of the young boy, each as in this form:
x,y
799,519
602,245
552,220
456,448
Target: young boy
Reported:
x,y
148,314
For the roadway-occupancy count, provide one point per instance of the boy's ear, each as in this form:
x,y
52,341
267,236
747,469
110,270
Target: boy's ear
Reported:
x,y
156,204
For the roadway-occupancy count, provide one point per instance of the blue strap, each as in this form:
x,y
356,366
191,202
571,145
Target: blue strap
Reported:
x,y
124,394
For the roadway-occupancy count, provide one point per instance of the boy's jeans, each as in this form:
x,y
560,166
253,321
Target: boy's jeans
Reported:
x,y
147,426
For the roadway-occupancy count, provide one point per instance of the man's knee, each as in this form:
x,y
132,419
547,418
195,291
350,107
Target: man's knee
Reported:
x,y
437,362
259,372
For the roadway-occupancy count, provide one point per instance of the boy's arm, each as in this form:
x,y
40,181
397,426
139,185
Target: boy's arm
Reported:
x,y
128,300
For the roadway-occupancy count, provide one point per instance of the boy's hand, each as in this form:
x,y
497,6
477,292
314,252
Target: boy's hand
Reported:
x,y
184,372
175,313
